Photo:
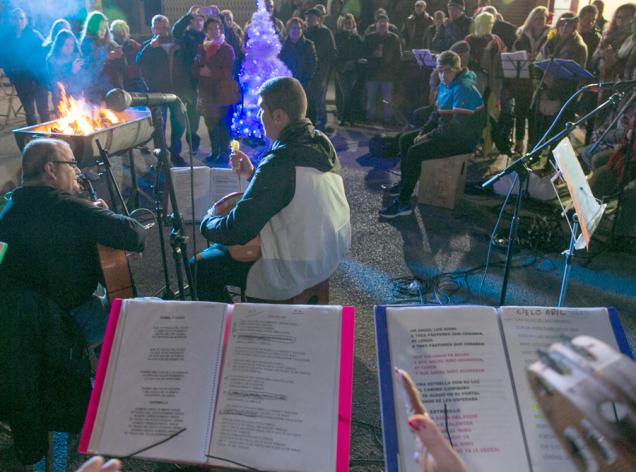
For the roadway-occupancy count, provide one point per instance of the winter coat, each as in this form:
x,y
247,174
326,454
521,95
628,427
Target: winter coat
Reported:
x,y
300,58
382,53
162,68
453,31
415,30
214,90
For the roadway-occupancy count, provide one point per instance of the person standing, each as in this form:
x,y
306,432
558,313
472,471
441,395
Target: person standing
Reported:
x,y
64,64
161,63
416,27
455,28
299,55
217,89
349,44
103,59
23,60
326,53
382,51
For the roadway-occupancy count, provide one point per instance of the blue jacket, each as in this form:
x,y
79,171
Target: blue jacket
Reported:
x,y
459,111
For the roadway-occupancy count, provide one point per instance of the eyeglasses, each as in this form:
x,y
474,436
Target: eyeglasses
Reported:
x,y
72,162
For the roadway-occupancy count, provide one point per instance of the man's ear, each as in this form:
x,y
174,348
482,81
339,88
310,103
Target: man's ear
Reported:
x,y
49,171
280,116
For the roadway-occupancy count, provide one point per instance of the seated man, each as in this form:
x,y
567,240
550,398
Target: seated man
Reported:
x,y
295,202
455,127
52,235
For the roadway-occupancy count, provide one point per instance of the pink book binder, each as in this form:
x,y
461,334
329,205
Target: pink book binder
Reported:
x,y
345,388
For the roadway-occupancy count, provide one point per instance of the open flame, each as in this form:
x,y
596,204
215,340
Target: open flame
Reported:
x,y
79,117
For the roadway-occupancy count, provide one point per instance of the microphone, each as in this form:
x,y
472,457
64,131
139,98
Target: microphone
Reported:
x,y
118,99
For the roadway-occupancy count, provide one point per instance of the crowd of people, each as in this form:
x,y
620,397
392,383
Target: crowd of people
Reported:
x,y
198,58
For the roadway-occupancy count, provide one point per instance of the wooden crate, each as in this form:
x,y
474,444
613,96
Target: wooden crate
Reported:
x,y
442,181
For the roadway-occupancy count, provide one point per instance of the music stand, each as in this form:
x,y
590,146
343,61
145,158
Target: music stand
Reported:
x,y
563,69
424,58
587,210
515,65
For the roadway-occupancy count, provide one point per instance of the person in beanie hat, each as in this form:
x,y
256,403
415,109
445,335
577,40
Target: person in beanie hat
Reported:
x,y
453,128
455,28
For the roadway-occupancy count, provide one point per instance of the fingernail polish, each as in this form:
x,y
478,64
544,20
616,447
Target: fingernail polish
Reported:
x,y
414,424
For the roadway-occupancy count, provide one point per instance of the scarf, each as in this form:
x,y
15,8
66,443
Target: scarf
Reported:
x,y
211,47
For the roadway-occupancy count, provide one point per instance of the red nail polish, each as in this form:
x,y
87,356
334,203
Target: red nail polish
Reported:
x,y
414,424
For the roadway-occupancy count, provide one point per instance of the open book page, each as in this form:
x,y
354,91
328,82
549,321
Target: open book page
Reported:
x,y
527,329
201,181
223,182
278,399
161,378
456,357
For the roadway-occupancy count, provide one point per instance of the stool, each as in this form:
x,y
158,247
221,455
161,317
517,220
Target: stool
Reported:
x,y
442,181
316,295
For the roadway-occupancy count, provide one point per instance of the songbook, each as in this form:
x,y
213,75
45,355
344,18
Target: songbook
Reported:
x,y
210,185
515,65
470,364
424,58
563,69
589,211
247,385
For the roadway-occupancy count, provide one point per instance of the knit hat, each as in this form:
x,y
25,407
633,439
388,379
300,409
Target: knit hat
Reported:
x,y
314,11
457,3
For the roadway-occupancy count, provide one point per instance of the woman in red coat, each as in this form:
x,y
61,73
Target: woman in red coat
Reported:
x,y
218,91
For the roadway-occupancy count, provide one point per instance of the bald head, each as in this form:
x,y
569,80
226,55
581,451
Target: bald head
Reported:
x,y
37,153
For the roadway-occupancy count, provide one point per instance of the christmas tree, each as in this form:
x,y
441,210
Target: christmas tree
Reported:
x,y
260,64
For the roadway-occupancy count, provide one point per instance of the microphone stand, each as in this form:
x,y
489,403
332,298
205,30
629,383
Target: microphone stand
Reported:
x,y
177,234
520,166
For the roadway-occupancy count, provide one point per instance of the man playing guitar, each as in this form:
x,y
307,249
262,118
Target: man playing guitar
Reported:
x,y
295,203
52,235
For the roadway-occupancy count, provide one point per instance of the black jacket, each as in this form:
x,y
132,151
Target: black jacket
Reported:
x,y
45,371
52,239
507,32
24,57
415,31
273,184
449,34
325,45
300,58
382,53
164,70
349,44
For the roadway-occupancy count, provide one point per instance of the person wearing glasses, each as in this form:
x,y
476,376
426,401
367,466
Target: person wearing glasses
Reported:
x,y
52,235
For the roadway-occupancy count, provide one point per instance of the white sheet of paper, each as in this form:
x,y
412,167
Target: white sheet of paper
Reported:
x,y
527,329
278,399
223,182
456,356
202,200
161,378
588,210
514,63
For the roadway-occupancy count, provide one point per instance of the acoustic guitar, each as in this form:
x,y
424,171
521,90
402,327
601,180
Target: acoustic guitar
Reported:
x,y
249,251
115,270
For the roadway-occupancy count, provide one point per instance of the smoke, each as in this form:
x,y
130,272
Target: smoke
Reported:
x,y
42,13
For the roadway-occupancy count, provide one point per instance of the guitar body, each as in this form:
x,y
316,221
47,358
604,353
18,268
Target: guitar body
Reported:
x,y
248,252
116,277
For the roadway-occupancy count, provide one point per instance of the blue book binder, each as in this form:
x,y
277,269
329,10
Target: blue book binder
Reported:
x,y
385,380
563,69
